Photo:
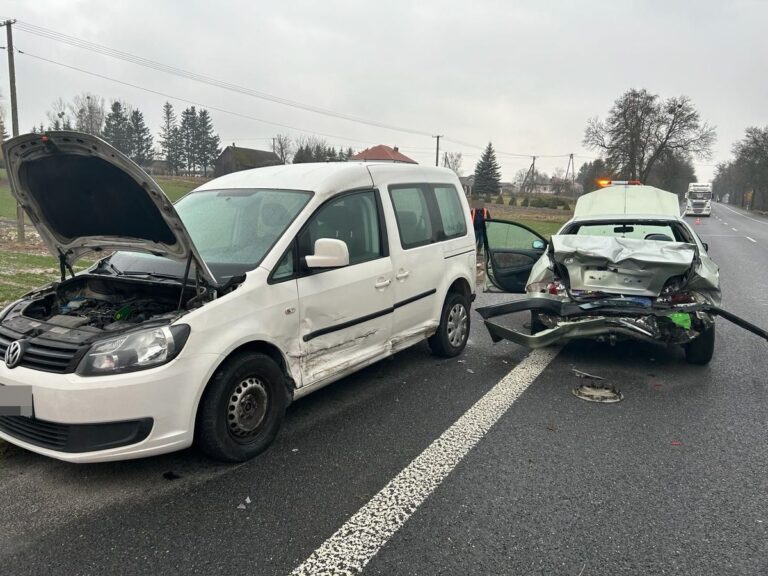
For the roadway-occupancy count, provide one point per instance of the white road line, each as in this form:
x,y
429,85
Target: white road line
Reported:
x,y
734,229
725,223
363,535
744,215
751,239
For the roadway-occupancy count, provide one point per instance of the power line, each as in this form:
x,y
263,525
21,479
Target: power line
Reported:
x,y
140,61
145,62
187,100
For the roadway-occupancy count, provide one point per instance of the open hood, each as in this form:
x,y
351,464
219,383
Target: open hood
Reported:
x,y
83,195
621,265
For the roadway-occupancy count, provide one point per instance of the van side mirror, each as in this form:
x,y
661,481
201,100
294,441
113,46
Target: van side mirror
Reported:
x,y
329,253
706,246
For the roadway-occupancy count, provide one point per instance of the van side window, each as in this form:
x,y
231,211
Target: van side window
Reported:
x,y
353,218
451,212
284,268
412,215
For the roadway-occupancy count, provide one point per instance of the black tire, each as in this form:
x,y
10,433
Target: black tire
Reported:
x,y
536,324
242,408
447,342
700,350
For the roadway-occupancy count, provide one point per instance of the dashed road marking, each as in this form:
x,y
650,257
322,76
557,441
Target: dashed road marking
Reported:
x,y
751,239
734,229
725,223
363,535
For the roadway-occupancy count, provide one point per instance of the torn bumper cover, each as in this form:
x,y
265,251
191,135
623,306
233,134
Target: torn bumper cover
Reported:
x,y
595,320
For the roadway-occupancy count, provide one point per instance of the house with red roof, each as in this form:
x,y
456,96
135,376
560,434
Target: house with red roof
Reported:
x,y
382,153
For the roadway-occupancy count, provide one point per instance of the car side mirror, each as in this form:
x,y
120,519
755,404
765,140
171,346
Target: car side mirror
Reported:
x,y
329,253
706,246
538,245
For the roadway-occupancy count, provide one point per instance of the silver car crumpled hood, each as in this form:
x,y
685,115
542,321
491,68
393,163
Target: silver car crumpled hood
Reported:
x,y
621,265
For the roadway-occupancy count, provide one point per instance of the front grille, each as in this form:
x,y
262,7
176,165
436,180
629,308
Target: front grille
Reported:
x,y
74,438
41,354
37,432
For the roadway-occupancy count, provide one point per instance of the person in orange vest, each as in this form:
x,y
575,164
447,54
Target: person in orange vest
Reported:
x,y
479,216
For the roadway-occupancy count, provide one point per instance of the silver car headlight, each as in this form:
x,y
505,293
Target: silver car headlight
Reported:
x,y
134,351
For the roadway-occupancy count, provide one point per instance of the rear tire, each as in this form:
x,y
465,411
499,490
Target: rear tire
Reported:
x,y
700,350
453,332
242,408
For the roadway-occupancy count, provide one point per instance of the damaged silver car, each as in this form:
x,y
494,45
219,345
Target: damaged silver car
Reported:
x,y
626,266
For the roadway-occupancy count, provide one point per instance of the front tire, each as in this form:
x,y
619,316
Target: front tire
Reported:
x,y
242,408
700,350
453,332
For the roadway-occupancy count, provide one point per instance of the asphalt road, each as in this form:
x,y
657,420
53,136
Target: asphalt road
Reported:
x,y
672,480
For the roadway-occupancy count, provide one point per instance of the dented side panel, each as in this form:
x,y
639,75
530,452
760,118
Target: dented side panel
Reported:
x,y
345,318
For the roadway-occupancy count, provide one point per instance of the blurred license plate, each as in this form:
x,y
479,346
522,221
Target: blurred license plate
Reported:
x,y
16,401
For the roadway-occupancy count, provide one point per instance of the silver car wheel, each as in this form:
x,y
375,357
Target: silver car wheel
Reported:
x,y
457,325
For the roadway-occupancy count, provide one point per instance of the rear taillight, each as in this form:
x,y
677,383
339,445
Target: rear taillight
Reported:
x,y
555,288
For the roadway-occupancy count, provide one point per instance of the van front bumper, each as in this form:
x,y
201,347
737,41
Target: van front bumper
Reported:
x,y
105,418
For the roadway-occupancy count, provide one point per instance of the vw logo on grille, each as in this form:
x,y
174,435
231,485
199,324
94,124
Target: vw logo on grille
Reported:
x,y
13,353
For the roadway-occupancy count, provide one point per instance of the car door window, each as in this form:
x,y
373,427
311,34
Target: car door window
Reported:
x,y
353,218
451,212
412,214
506,235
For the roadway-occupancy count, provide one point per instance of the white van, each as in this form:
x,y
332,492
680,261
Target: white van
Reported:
x,y
213,314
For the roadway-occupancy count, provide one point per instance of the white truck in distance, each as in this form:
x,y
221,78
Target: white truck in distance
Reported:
x,y
698,199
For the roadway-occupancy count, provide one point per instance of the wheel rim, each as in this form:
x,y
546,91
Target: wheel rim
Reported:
x,y
457,325
247,408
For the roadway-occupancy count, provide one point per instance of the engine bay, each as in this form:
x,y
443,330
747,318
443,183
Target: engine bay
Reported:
x,y
94,304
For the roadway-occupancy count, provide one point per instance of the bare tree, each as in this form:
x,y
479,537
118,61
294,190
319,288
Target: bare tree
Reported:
x,y
59,117
453,161
641,129
282,145
88,112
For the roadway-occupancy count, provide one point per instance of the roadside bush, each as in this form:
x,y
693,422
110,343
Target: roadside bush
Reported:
x,y
499,199
526,202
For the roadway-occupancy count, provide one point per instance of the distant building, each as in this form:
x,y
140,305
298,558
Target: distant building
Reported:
x,y
382,153
467,182
234,158
159,168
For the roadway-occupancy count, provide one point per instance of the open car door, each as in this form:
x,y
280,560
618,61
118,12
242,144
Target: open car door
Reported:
x,y
511,250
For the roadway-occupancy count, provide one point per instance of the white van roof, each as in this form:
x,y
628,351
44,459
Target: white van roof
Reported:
x,y
325,178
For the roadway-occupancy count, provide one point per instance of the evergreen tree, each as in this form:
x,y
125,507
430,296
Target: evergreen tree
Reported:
x,y
187,139
303,155
170,141
208,141
330,155
116,127
140,148
350,153
3,131
318,153
487,173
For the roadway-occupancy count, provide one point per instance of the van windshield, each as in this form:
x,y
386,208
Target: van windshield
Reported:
x,y
232,229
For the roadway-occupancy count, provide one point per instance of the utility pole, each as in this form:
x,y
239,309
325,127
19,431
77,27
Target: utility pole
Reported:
x,y
437,149
14,114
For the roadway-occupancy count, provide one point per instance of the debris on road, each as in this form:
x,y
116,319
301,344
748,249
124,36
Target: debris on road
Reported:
x,y
605,394
171,475
580,374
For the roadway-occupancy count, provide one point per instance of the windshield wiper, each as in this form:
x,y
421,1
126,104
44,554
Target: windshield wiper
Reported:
x,y
150,274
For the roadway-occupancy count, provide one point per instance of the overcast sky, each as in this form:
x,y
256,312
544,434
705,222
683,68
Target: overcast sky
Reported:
x,y
524,75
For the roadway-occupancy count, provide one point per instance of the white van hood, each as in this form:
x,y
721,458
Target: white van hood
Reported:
x,y
83,196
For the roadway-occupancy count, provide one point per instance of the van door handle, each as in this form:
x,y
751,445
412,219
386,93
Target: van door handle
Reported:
x,y
402,275
382,283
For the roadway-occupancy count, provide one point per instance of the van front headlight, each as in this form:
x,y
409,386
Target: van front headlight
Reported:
x,y
134,351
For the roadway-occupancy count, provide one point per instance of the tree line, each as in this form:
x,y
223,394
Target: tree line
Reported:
x,y
744,178
188,143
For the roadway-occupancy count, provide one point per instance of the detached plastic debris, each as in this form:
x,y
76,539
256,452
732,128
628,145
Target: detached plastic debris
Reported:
x,y
682,319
